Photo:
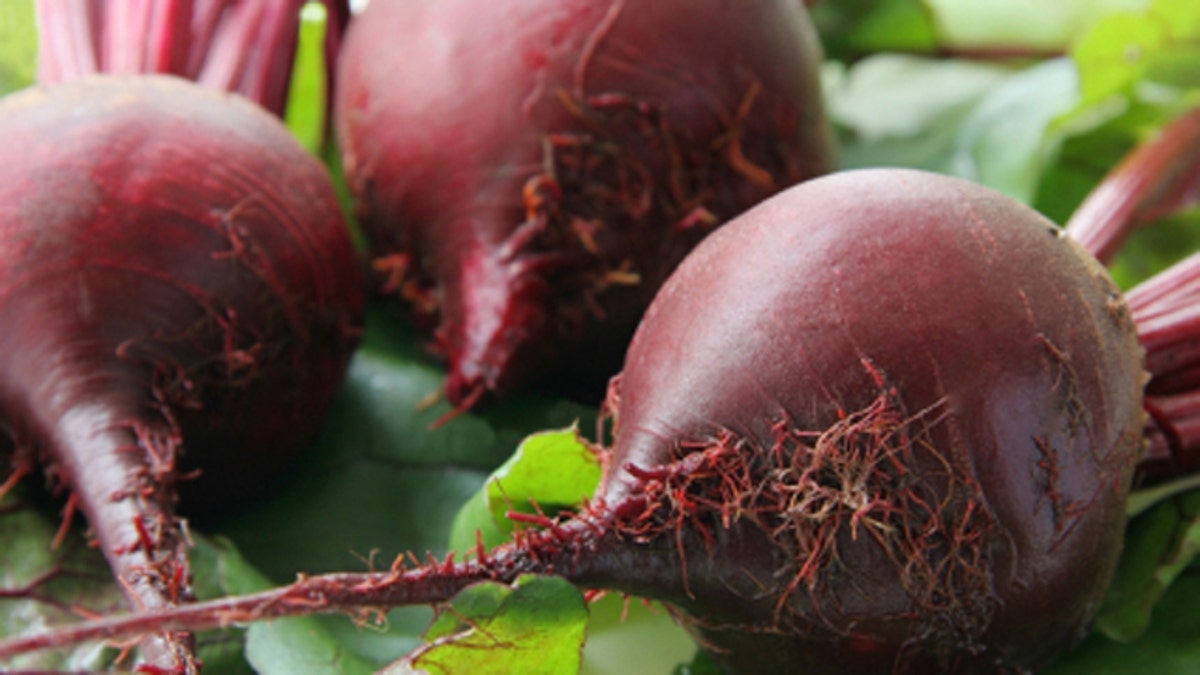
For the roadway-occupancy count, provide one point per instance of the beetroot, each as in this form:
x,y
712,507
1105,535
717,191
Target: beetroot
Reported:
x,y
529,173
930,404
884,422
180,296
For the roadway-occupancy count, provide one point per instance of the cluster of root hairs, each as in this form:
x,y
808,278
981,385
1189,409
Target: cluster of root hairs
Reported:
x,y
598,183
872,478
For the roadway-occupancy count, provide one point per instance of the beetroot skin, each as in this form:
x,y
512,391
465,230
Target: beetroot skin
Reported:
x,y
884,422
180,293
529,173
923,404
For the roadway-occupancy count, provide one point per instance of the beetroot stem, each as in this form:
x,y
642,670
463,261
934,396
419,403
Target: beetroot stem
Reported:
x,y
67,35
253,51
586,550
142,36
124,21
247,47
337,18
1166,311
1159,177
162,51
206,19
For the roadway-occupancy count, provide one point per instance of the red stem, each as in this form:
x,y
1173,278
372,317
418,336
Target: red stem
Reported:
x,y
244,46
124,23
161,54
584,550
605,547
1166,310
1159,177
1175,436
329,593
140,36
253,51
67,39
206,19
337,18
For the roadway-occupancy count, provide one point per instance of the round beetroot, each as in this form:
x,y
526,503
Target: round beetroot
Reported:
x,y
529,173
935,401
179,294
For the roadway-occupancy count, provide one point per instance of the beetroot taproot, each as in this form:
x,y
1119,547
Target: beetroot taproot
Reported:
x,y
885,421
180,301
924,404
528,174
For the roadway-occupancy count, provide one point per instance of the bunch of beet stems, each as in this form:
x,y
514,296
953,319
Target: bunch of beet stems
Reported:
x,y
1159,177
242,46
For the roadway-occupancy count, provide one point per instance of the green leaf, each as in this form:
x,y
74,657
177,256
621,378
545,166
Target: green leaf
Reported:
x,y
57,579
300,646
702,664
1169,645
855,27
1159,45
624,631
1138,69
919,93
535,626
1016,25
308,91
18,45
993,124
850,28
1155,248
1006,142
73,576
1160,545
556,470
222,651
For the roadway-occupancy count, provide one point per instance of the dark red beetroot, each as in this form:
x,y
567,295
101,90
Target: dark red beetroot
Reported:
x,y
529,173
884,422
935,399
180,293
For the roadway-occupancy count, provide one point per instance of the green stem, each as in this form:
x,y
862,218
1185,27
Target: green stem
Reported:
x,y
1141,500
